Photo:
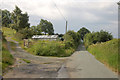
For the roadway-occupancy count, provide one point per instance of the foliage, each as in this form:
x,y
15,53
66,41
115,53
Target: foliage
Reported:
x,y
26,33
7,58
69,42
60,35
56,48
18,36
82,32
36,30
97,37
19,20
107,52
6,18
50,48
72,39
8,32
46,27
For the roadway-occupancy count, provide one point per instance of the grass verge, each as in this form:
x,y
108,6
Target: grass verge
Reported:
x,y
107,53
7,58
13,46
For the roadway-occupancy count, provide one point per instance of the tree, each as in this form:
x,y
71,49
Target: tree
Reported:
x,y
97,37
46,27
82,32
71,39
26,33
19,20
6,18
105,36
36,30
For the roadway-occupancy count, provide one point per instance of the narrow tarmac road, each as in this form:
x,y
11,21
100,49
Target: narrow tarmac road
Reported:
x,y
39,67
82,64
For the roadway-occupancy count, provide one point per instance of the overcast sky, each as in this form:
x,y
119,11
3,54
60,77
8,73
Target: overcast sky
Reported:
x,y
92,14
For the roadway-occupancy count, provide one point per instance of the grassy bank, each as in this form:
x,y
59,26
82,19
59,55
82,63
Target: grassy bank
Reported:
x,y
7,58
107,53
8,32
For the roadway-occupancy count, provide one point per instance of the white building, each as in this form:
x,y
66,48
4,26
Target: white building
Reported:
x,y
45,37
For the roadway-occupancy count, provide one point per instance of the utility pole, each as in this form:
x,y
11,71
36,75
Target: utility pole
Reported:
x,y
66,27
66,31
118,19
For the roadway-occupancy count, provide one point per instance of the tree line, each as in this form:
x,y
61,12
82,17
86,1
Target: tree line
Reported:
x,y
90,38
20,22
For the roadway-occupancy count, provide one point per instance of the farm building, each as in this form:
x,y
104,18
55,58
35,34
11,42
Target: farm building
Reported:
x,y
45,37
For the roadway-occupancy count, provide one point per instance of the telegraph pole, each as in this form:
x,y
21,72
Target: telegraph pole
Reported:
x,y
66,27
66,31
118,34
118,19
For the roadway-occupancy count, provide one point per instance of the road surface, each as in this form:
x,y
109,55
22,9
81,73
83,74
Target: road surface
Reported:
x,y
80,65
39,67
84,65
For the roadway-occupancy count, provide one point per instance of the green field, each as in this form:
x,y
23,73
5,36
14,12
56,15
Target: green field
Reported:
x,y
107,53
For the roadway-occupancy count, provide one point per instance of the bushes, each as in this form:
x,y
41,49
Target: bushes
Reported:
x,y
106,52
72,40
50,48
18,36
56,48
26,33
97,37
23,34
82,32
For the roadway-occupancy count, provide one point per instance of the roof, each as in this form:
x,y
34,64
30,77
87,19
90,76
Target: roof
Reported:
x,y
45,36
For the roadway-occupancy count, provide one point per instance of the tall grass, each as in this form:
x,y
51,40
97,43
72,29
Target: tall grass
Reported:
x,y
8,32
50,48
107,53
7,58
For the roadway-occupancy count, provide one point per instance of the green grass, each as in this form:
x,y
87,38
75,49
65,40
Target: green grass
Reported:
x,y
107,53
8,32
27,61
7,58
13,46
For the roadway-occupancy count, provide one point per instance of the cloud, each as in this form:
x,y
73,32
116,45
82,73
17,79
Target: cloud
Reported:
x,y
93,14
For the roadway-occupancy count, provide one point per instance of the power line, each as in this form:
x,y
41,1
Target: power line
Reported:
x,y
62,16
59,10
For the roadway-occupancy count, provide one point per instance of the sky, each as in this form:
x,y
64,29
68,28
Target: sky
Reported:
x,y
95,15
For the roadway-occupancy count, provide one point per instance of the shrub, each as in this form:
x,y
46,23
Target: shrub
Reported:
x,y
56,48
82,32
18,36
72,39
49,48
97,37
